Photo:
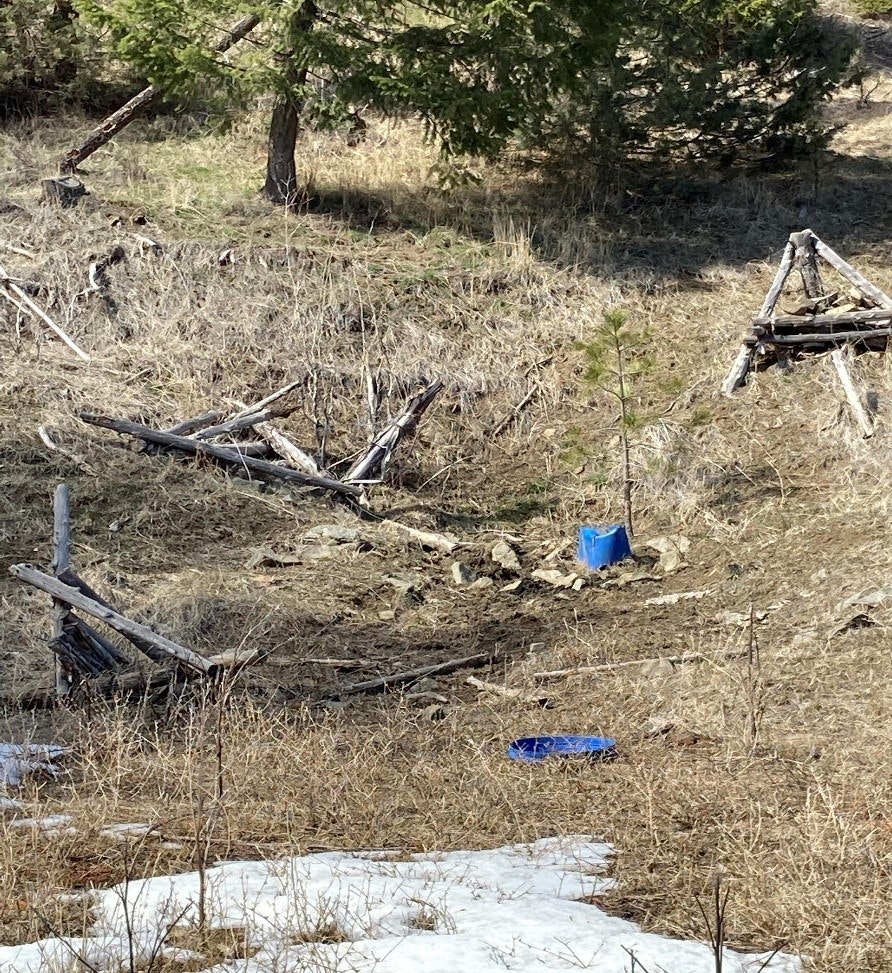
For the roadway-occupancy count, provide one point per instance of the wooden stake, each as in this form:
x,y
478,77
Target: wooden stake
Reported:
x,y
193,446
838,357
61,562
126,626
743,362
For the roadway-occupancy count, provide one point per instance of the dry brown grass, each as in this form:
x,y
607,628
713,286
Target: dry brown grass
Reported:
x,y
785,507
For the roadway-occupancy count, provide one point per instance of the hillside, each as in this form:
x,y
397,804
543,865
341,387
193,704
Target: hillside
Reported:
x,y
489,288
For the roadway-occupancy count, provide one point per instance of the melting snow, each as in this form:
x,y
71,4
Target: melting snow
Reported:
x,y
515,908
18,759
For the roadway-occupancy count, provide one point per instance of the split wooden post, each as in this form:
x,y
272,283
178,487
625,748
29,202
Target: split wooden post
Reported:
x,y
61,563
744,359
126,626
807,263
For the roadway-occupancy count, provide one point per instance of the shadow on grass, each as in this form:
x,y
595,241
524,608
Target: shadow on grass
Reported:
x,y
661,227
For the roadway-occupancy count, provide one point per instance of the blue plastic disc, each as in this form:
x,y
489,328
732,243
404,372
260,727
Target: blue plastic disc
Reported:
x,y
534,749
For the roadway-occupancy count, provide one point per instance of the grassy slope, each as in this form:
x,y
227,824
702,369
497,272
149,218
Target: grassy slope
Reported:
x,y
785,507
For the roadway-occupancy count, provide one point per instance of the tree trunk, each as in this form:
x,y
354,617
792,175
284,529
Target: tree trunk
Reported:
x,y
281,186
281,167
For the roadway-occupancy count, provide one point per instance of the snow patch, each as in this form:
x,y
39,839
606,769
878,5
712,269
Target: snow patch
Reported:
x,y
515,908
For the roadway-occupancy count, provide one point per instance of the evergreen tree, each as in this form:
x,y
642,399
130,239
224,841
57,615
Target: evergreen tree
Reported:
x,y
608,79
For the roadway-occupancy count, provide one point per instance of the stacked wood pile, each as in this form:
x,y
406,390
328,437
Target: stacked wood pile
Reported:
x,y
856,316
287,461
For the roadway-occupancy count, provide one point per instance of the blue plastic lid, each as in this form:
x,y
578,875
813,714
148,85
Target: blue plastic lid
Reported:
x,y
534,749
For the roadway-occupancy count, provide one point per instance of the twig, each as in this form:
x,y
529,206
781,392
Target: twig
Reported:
x,y
673,659
11,291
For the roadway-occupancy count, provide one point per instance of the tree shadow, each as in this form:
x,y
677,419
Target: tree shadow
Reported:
x,y
660,227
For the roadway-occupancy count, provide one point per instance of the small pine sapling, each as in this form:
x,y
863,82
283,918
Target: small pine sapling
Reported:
x,y
616,357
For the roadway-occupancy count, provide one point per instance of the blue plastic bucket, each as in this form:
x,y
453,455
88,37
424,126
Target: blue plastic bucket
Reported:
x,y
599,547
534,749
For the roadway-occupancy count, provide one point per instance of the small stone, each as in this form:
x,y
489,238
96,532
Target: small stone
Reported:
x,y
434,713
872,598
481,584
536,647
513,586
334,534
462,573
505,556
556,578
657,669
387,616
425,685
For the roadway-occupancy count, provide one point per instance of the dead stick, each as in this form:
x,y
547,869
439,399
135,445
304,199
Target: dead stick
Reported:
x,y
837,356
410,675
514,413
609,666
126,626
188,426
8,288
195,447
268,401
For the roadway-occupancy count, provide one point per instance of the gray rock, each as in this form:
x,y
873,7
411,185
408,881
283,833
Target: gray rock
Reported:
x,y
505,556
335,534
462,573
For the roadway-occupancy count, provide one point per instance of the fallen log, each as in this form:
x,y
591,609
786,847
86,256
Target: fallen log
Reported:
x,y
411,675
196,447
672,659
369,468
126,626
238,423
120,119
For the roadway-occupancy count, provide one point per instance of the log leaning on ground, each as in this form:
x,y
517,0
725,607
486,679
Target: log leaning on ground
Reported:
x,y
126,626
219,453
379,452
120,119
